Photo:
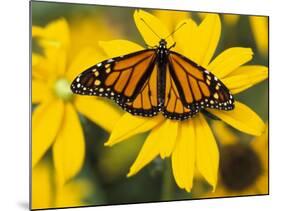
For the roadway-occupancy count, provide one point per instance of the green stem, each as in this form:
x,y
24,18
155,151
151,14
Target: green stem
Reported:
x,y
167,185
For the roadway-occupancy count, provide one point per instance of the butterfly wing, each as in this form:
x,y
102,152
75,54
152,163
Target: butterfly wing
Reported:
x,y
146,101
197,87
129,80
173,106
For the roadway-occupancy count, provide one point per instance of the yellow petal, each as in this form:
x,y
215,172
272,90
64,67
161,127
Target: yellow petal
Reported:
x,y
230,19
57,58
166,135
36,58
235,91
207,154
260,30
146,22
87,30
69,147
86,58
148,152
262,185
260,145
51,65
98,111
61,64
161,140
244,77
183,157
187,45
229,60
171,18
40,91
46,122
249,69
39,67
242,118
37,31
42,193
207,38
73,194
55,34
129,125
116,48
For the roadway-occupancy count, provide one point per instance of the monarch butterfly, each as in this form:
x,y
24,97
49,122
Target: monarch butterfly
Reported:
x,y
155,80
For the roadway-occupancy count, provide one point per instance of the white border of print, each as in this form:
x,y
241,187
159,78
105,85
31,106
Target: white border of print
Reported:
x,y
14,86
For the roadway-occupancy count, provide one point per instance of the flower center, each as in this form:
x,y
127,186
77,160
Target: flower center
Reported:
x,y
240,167
62,89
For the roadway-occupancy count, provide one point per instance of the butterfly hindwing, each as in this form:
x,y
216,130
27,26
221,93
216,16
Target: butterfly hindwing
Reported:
x,y
173,106
198,88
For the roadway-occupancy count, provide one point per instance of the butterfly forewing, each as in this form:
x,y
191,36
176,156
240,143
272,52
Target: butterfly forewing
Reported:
x,y
198,88
119,78
130,80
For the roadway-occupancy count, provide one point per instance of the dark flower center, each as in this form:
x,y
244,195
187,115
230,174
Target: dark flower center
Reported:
x,y
240,167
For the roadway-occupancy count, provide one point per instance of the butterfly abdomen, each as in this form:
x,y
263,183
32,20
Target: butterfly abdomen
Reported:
x,y
162,55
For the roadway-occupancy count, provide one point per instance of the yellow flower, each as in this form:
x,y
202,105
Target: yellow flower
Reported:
x,y
190,143
259,27
171,18
45,194
229,19
244,166
55,121
83,29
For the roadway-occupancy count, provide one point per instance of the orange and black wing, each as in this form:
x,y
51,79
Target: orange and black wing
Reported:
x,y
174,107
129,80
197,87
146,101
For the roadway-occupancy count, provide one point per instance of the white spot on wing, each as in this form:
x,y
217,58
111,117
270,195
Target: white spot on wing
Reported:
x,y
110,60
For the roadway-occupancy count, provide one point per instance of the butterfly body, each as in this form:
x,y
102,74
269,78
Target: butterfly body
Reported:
x,y
162,54
155,80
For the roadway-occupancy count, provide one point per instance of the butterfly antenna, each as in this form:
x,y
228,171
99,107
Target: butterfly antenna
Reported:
x,y
176,29
150,28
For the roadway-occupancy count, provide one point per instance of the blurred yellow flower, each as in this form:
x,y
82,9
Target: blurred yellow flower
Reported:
x,y
222,133
244,166
259,25
190,143
46,194
229,19
86,31
55,121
